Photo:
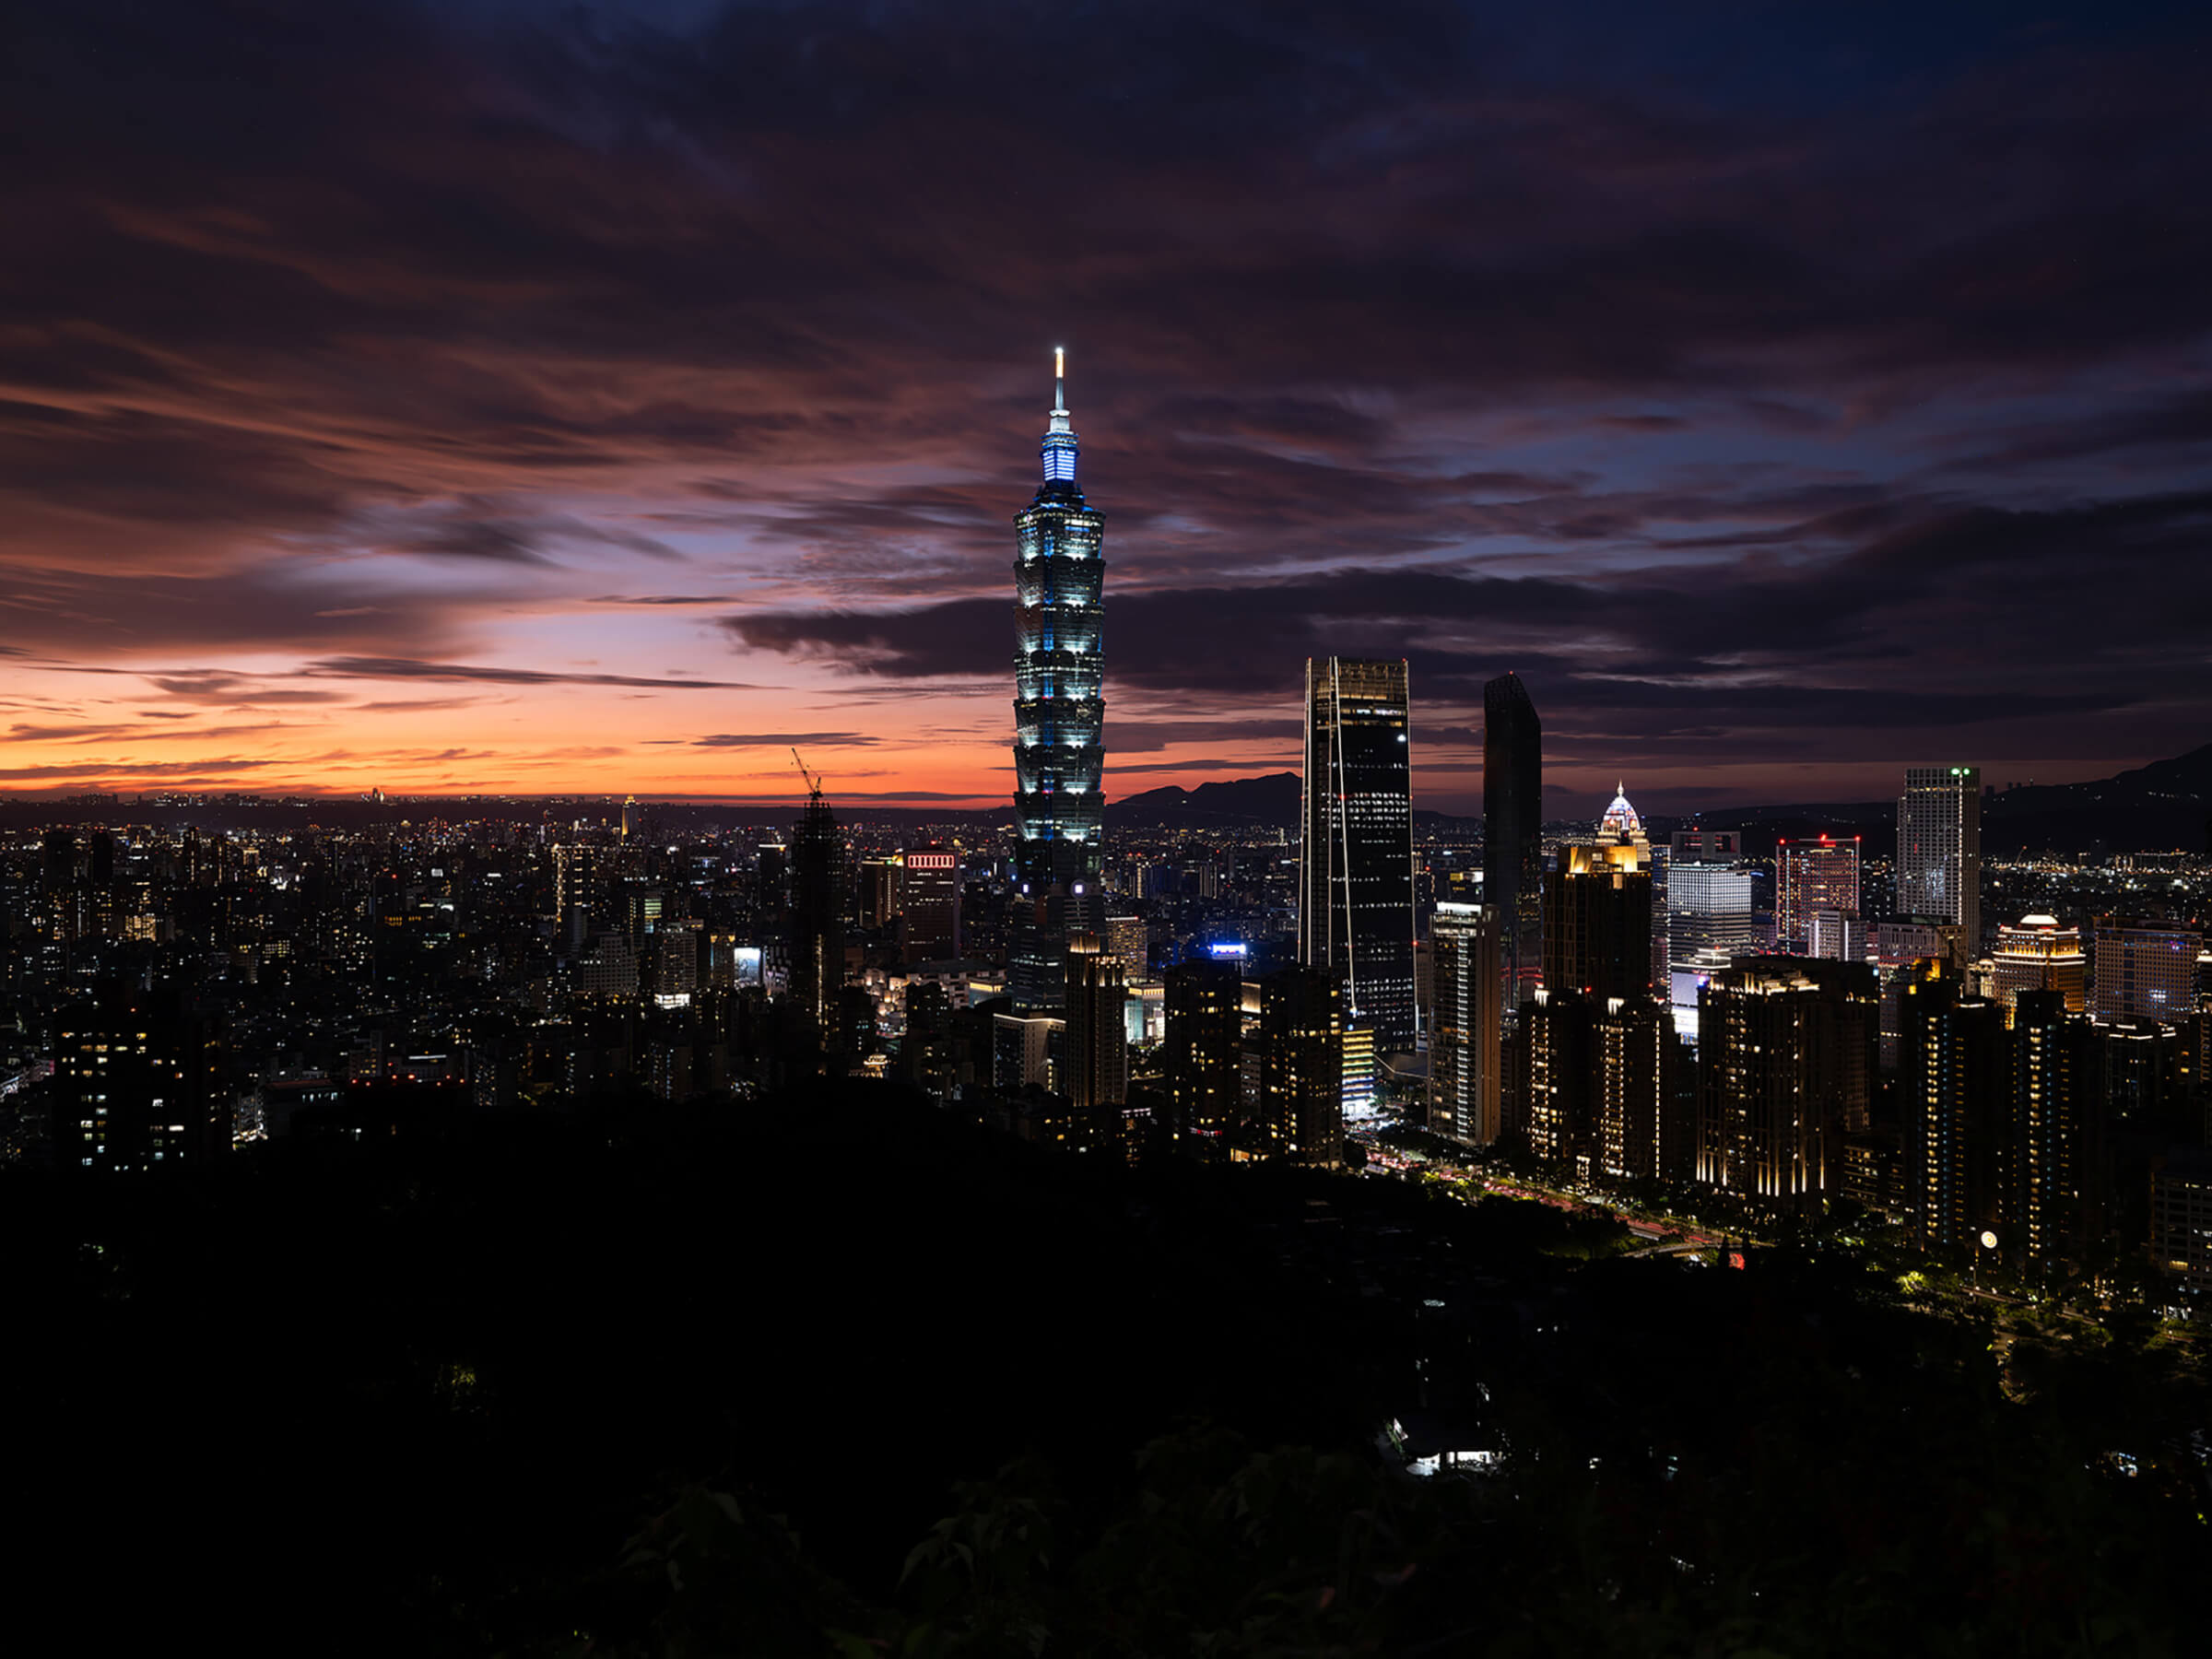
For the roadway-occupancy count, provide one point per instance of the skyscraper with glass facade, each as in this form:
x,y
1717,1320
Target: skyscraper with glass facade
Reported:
x,y
1939,849
1513,832
1811,877
1355,910
1059,719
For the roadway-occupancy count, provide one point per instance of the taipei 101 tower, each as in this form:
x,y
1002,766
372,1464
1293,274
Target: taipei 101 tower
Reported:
x,y
1059,719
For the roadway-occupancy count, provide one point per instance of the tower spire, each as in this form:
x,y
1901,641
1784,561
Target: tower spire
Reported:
x,y
1059,436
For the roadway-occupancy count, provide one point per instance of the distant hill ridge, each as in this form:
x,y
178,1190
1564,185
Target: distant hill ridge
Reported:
x,y
2162,804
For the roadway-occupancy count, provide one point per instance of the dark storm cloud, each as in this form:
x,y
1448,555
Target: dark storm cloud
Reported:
x,y
1142,737
409,668
1725,369
736,740
1895,636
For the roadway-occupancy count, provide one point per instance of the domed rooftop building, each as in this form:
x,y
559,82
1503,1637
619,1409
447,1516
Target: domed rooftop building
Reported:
x,y
1620,834
1620,822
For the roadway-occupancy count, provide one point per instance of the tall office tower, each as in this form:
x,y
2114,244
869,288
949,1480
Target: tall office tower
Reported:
x,y
932,897
1094,1074
816,940
1355,908
1700,845
1633,1048
1597,911
1301,1071
879,890
1952,1079
2044,1148
1204,1044
676,945
2037,954
1939,849
1786,1065
1027,1050
1464,1039
2145,971
1837,936
1361,1068
1710,923
1127,938
1059,719
1811,877
1513,832
1694,845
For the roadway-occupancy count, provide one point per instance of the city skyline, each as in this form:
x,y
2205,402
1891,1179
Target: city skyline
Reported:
x,y
601,404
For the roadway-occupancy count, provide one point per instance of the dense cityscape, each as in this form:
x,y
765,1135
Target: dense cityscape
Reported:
x,y
1762,1035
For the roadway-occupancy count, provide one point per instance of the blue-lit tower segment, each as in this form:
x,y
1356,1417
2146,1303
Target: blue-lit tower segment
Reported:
x,y
1059,709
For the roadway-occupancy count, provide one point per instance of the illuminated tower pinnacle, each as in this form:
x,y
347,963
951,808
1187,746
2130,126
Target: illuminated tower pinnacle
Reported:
x,y
1059,713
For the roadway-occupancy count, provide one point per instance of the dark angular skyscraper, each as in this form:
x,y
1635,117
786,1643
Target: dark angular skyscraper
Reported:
x,y
1059,719
1354,906
816,939
1513,831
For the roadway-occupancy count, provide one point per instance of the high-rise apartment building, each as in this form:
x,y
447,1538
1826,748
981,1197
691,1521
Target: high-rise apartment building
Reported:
x,y
1899,949
1811,877
137,1082
1301,1069
1465,1033
1952,1079
1204,1059
1059,719
2181,1222
2045,1148
1513,831
1556,1070
2037,954
1355,912
2146,971
1999,1123
1939,849
1786,1058
1633,1045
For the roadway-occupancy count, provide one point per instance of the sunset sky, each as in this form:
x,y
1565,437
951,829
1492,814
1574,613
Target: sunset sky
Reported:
x,y
607,397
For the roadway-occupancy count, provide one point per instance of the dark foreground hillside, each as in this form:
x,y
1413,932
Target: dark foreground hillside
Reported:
x,y
699,1381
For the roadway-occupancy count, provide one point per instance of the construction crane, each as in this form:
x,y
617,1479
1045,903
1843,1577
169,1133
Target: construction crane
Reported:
x,y
813,780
